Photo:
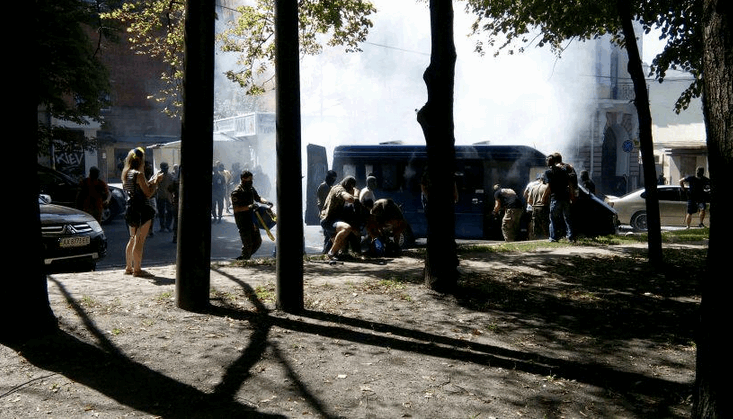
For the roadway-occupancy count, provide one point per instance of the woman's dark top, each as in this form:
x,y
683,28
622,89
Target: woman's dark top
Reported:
x,y
138,211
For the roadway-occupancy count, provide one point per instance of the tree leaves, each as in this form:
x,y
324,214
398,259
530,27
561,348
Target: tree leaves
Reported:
x,y
512,25
155,28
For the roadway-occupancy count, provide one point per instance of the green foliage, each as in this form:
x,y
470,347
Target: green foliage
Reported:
x,y
513,25
73,84
155,28
680,23
672,236
507,23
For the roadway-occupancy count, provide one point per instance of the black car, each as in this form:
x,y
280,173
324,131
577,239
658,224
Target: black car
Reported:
x,y
63,190
71,238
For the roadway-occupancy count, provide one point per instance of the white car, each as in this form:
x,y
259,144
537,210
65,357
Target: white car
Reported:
x,y
631,208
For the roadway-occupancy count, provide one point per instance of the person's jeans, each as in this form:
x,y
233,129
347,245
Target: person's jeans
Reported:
x,y
559,218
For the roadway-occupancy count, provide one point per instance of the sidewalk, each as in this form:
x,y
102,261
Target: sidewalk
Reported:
x,y
372,343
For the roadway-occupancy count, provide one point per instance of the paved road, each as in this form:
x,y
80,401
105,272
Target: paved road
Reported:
x,y
225,243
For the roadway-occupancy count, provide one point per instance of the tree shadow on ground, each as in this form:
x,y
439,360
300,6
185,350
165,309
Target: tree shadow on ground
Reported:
x,y
609,298
612,314
652,396
105,369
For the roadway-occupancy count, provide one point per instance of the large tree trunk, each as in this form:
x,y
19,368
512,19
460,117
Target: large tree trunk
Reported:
x,y
712,386
289,265
25,311
24,307
436,119
654,228
193,271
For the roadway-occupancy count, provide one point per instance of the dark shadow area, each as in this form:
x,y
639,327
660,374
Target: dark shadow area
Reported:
x,y
162,281
608,298
630,301
261,322
105,369
638,389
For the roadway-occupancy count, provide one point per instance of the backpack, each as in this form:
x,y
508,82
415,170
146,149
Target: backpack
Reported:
x,y
572,179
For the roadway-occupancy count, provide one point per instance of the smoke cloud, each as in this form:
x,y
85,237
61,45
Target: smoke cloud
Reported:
x,y
532,98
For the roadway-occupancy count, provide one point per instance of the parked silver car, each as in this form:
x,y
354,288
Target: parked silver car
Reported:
x,y
631,207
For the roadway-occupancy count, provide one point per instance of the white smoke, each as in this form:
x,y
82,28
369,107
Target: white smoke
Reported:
x,y
530,99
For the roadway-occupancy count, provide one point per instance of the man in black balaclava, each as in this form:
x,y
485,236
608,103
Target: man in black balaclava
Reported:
x,y
244,202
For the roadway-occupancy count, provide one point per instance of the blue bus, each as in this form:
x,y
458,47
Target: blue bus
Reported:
x,y
399,168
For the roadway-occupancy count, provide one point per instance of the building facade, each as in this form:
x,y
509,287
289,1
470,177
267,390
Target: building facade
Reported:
x,y
608,145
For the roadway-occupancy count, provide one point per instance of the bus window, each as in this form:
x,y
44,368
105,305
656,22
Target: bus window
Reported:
x,y
348,169
470,180
412,176
390,178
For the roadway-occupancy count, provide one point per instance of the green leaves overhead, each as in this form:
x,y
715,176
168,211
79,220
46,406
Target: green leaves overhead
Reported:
x,y
336,22
72,84
155,28
513,25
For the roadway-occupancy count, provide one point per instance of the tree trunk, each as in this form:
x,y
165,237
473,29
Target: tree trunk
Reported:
x,y
289,266
25,310
712,383
193,270
436,120
654,228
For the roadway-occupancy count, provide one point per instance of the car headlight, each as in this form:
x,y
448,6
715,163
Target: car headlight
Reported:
x,y
96,227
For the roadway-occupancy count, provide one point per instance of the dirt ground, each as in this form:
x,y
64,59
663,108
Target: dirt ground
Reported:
x,y
568,332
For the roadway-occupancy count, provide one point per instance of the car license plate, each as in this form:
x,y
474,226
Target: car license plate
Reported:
x,y
74,241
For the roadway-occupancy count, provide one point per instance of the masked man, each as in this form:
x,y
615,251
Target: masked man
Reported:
x,y
245,200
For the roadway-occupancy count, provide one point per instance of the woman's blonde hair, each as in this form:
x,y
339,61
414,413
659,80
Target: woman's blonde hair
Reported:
x,y
134,160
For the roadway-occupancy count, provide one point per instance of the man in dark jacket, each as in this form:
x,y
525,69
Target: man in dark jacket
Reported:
x,y
244,202
562,183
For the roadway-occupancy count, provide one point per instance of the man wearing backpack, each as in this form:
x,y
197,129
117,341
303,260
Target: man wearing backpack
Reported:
x,y
562,183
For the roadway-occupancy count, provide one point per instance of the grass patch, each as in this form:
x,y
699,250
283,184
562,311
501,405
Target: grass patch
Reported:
x,y
391,284
674,236
164,297
265,293
255,262
87,301
686,235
